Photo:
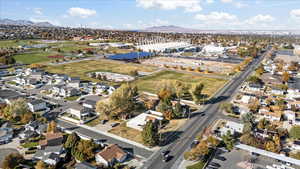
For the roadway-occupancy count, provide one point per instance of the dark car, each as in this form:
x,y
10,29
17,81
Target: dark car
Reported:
x,y
165,152
166,158
194,143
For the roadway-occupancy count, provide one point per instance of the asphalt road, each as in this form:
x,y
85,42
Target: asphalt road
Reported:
x,y
95,135
195,125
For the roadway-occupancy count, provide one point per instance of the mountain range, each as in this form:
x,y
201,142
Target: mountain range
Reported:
x,y
25,22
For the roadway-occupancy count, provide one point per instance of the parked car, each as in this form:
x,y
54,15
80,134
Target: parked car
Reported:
x,y
114,124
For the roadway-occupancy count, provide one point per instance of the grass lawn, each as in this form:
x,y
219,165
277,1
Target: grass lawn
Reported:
x,y
72,98
30,144
34,57
198,165
81,69
16,43
173,125
128,133
152,83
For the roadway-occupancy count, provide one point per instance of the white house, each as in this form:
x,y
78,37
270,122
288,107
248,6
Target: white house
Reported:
x,y
37,105
80,113
139,121
233,127
277,91
247,99
110,155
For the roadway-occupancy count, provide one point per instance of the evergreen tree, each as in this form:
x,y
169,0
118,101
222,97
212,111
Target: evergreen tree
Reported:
x,y
71,141
150,134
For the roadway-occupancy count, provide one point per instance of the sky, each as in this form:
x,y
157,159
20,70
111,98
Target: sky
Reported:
x,y
140,14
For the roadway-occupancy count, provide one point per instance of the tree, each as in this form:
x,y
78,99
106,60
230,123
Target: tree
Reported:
x,y
40,165
295,155
71,141
52,127
150,133
213,141
17,108
295,132
254,79
285,77
134,73
178,110
227,107
179,89
271,146
228,140
262,123
248,118
259,71
12,160
84,150
196,92
121,103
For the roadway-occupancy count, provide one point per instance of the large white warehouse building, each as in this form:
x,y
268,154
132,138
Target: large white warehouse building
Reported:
x,y
161,47
297,50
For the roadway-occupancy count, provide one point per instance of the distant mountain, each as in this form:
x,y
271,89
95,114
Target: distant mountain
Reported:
x,y
25,22
170,28
177,29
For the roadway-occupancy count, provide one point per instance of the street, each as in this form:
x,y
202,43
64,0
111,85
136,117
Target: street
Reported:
x,y
195,125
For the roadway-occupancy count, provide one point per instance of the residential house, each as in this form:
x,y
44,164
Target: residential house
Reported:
x,y
52,139
277,91
289,116
63,91
140,120
254,87
272,116
111,155
246,99
80,113
36,105
74,82
6,134
51,155
7,96
89,104
233,127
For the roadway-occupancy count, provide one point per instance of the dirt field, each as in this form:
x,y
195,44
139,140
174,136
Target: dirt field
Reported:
x,y
217,67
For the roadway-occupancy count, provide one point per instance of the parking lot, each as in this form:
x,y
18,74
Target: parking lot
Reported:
x,y
237,159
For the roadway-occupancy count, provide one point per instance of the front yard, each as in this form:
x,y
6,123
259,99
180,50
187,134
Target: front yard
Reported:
x,y
128,133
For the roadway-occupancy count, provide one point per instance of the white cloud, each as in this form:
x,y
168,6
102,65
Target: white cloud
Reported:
x,y
215,17
187,5
260,19
81,12
227,1
210,1
295,13
38,11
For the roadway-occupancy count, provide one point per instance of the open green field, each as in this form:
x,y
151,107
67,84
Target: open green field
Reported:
x,y
15,43
33,57
152,83
80,69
